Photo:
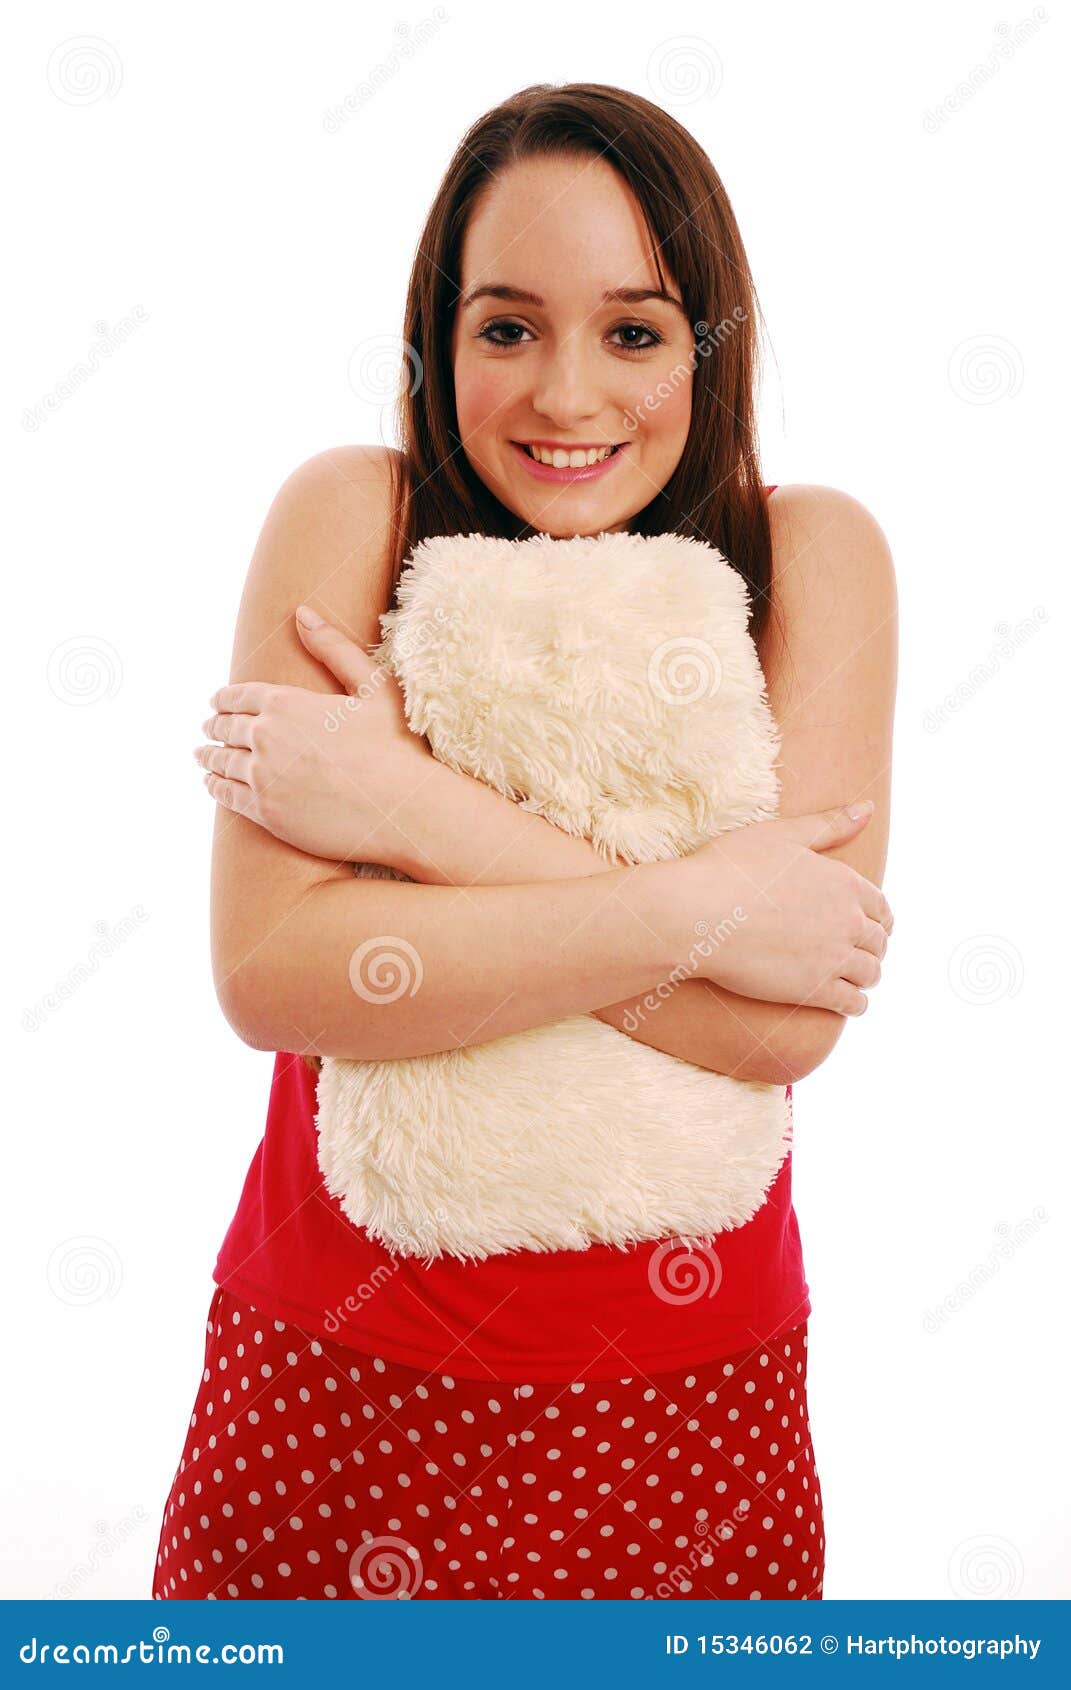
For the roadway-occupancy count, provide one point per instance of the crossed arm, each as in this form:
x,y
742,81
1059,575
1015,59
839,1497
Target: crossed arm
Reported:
x,y
475,837
830,668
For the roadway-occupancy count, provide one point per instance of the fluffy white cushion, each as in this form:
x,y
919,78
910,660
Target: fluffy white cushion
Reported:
x,y
610,684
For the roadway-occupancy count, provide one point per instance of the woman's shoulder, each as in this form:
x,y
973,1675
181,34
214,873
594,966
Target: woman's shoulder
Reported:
x,y
824,529
330,532
812,504
342,477
832,575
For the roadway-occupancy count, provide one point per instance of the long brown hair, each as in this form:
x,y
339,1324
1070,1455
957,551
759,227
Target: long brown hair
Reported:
x,y
716,492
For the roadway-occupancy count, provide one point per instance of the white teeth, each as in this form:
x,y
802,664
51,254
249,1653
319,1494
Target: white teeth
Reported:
x,y
559,458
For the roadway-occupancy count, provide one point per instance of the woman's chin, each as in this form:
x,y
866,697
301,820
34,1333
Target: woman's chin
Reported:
x,y
564,518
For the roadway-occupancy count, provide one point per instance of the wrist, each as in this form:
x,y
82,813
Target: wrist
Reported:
x,y
652,891
690,907
417,818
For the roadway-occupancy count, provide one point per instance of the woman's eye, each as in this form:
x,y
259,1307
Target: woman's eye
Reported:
x,y
490,330
656,338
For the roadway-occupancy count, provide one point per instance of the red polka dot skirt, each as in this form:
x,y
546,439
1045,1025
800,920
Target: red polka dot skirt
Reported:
x,y
315,1472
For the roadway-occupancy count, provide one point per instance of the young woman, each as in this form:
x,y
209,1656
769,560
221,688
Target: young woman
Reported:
x,y
592,1424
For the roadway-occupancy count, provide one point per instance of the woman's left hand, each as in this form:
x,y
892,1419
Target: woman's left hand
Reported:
x,y
321,771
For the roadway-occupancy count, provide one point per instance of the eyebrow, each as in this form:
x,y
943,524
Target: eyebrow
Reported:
x,y
520,296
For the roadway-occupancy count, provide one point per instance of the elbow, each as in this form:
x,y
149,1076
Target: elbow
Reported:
x,y
242,1021
813,1045
250,997
802,1044
266,1020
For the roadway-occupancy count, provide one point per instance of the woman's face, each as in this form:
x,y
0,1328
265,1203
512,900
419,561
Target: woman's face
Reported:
x,y
563,366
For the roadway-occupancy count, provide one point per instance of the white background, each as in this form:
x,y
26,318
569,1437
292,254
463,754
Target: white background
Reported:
x,y
908,267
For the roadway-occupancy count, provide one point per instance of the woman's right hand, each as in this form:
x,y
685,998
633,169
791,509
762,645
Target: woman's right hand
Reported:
x,y
780,921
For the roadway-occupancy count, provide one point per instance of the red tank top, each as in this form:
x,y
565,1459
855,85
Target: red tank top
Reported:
x,y
600,1313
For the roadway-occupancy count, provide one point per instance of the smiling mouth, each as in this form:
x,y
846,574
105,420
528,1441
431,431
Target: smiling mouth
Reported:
x,y
567,457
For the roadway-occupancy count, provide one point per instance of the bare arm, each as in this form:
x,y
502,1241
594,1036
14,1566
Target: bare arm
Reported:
x,y
831,680
467,834
288,979
295,940
389,969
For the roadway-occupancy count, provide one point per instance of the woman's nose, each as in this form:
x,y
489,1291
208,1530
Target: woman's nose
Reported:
x,y
566,391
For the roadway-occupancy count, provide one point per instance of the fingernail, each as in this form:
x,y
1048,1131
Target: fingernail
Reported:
x,y
858,810
309,618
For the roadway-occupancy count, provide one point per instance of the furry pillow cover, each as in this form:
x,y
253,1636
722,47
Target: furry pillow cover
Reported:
x,y
610,684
